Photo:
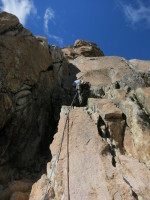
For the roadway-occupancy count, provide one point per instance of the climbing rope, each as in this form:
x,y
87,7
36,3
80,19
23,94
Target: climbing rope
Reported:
x,y
59,150
68,159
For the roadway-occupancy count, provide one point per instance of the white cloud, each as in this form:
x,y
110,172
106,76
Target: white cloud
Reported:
x,y
50,16
21,8
136,14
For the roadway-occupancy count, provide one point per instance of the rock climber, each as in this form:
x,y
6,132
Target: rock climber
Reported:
x,y
82,88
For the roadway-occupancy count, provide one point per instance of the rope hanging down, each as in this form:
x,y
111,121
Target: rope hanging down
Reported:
x,y
68,159
59,150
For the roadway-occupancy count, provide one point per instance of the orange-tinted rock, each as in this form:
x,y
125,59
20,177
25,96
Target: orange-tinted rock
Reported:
x,y
87,49
82,47
102,72
110,111
91,173
39,188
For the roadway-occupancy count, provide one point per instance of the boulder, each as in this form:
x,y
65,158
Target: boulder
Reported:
x,y
87,49
82,47
11,26
8,21
80,43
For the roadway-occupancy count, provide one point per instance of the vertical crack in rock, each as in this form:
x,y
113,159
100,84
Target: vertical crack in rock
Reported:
x,y
103,130
133,192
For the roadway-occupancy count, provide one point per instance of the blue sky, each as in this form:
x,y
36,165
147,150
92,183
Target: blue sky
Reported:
x,y
118,27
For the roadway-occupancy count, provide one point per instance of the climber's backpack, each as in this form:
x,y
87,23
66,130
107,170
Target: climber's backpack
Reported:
x,y
86,85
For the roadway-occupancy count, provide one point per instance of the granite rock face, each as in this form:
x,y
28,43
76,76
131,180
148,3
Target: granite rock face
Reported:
x,y
97,169
24,64
109,138
30,101
109,71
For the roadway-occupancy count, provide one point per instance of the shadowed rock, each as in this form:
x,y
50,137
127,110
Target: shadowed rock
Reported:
x,y
30,100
